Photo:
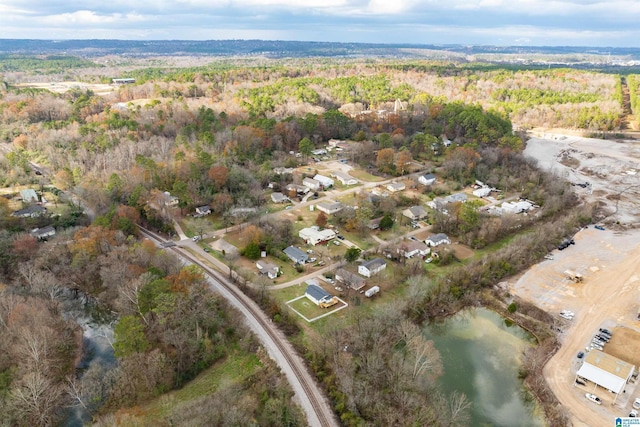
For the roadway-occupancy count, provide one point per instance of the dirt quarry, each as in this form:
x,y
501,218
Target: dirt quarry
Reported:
x,y
608,173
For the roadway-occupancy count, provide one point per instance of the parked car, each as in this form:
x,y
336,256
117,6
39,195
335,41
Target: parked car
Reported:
x,y
548,256
428,260
592,397
605,331
633,414
636,403
196,238
340,236
567,313
335,242
580,355
312,260
599,227
580,382
207,250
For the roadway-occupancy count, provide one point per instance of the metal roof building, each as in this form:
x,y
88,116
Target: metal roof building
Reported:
x,y
606,371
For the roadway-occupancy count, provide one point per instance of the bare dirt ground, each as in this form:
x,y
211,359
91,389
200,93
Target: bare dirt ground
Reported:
x,y
609,260
62,87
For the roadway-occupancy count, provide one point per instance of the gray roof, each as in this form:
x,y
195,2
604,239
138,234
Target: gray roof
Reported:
x,y
374,263
353,279
31,210
317,292
435,238
418,210
457,197
295,254
43,231
429,176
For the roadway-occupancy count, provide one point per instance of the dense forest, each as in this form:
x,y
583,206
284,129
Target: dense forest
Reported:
x,y
213,135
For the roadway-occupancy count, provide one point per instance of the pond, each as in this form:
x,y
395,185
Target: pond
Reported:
x,y
481,358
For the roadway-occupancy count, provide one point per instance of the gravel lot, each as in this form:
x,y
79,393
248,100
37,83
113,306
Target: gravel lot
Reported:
x,y
609,260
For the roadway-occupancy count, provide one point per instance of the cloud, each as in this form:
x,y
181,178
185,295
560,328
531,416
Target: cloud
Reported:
x,y
556,22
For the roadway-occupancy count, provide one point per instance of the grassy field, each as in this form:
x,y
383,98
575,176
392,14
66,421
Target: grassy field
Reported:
x,y
233,370
365,176
308,309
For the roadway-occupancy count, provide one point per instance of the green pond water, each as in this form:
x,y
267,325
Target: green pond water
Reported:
x,y
481,357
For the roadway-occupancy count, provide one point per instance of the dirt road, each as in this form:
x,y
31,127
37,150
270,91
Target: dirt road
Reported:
x,y
609,261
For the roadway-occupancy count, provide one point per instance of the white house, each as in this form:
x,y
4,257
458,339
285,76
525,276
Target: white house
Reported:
x,y
271,270
415,213
344,178
324,180
313,235
277,197
317,295
411,248
428,179
43,233
330,207
372,267
299,189
482,192
311,184
437,239
516,207
396,186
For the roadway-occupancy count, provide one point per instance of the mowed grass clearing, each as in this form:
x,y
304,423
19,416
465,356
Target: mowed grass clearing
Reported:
x,y
233,370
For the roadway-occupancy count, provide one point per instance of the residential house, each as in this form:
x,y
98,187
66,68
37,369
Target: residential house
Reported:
x,y
372,267
203,210
438,204
311,184
411,248
330,207
279,198
30,212
483,192
350,279
318,296
379,191
271,270
415,213
43,233
456,198
313,235
374,224
344,178
394,187
296,255
324,180
299,189
283,171
319,152
169,201
437,239
29,195
428,179
517,207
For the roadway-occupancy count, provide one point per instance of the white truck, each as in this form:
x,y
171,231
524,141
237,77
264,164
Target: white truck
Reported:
x,y
372,291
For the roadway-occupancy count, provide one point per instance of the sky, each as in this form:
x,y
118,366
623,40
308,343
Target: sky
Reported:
x,y
480,22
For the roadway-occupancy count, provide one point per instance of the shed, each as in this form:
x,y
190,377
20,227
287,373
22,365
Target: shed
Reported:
x,y
606,371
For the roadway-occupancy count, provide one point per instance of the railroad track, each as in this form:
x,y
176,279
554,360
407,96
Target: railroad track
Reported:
x,y
318,411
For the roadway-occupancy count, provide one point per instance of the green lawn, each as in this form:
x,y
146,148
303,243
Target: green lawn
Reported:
x,y
233,370
308,309
365,176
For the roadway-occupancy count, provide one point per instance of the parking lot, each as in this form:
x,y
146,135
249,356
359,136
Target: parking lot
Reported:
x,y
608,297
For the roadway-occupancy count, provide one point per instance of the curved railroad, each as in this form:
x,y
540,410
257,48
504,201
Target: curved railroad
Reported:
x,y
310,396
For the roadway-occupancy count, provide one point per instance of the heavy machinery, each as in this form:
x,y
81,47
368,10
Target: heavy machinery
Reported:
x,y
572,275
